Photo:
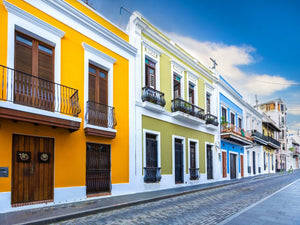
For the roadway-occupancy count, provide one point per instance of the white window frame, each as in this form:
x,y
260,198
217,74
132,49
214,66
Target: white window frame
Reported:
x,y
232,112
95,57
196,151
239,117
152,54
178,70
193,79
173,156
158,138
225,107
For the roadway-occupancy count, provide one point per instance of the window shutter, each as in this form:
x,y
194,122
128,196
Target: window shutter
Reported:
x,y
92,82
103,89
45,65
23,58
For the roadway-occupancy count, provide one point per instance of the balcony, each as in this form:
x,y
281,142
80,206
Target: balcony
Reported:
x,y
153,100
194,174
211,121
101,120
259,138
28,98
235,134
152,174
186,111
273,143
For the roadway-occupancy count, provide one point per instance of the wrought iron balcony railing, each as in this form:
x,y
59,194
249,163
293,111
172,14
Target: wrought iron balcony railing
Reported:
x,y
230,128
28,90
100,115
211,119
152,174
273,141
151,95
188,108
194,173
259,135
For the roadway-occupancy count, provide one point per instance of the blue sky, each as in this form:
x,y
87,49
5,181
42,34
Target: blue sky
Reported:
x,y
256,43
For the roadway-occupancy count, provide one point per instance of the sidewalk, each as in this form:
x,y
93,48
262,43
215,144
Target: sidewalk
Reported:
x,y
61,212
282,207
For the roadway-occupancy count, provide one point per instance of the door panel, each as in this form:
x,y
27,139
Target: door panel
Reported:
x,y
232,166
98,168
254,166
242,165
224,164
209,162
32,169
178,162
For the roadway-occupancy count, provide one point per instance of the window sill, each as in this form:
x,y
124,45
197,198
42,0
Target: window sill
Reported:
x,y
187,118
153,107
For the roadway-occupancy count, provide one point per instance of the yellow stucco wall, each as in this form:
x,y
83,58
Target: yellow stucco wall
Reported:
x,y
70,148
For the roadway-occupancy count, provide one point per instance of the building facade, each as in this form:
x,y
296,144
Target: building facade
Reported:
x,y
174,109
64,110
232,133
276,109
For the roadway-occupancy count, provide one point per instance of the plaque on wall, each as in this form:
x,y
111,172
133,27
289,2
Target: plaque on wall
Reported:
x,y
44,157
23,157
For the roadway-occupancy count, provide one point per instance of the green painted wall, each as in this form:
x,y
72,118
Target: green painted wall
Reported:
x,y
166,131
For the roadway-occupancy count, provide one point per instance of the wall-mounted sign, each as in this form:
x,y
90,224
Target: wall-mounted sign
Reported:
x,y
3,171
23,157
44,157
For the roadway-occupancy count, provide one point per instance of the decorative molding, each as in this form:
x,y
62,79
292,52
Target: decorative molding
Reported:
x,y
192,77
151,50
177,67
209,88
89,23
32,19
98,53
99,133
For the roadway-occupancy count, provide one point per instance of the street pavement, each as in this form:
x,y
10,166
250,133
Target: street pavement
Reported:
x,y
239,203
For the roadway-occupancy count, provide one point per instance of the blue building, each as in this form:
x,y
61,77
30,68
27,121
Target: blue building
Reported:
x,y
232,133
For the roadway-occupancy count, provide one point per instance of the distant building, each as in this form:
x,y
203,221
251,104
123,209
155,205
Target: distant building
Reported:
x,y
276,109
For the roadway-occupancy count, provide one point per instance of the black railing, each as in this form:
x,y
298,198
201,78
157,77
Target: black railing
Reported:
x,y
26,89
194,173
259,135
273,141
152,174
186,107
151,95
211,119
100,115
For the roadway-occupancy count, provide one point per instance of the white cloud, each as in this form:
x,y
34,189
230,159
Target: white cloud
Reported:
x,y
294,110
229,57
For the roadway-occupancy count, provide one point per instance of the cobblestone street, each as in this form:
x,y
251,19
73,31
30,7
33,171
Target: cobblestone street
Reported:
x,y
203,207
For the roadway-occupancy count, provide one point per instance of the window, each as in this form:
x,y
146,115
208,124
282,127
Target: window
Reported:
x,y
208,103
232,118
224,114
191,93
34,57
192,155
176,87
150,73
151,150
37,58
97,85
240,122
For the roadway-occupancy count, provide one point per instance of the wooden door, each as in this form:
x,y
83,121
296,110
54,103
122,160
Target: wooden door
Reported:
x,y
178,161
254,165
232,166
242,165
32,169
98,167
209,162
224,164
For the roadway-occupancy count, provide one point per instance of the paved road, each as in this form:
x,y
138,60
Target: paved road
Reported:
x,y
203,207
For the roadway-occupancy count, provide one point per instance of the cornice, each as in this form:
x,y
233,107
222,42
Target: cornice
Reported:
x,y
98,53
32,19
78,17
154,35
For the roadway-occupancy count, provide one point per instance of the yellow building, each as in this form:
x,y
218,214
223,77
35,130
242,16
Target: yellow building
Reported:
x,y
64,112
